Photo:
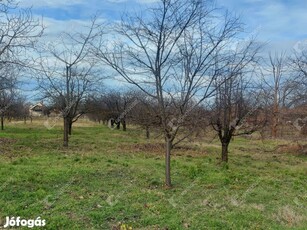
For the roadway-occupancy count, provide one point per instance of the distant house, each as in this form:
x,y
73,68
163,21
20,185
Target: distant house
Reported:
x,y
37,110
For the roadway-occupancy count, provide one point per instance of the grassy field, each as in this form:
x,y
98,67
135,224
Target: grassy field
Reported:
x,y
109,178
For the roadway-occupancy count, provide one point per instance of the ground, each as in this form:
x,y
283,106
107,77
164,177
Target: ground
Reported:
x,y
109,178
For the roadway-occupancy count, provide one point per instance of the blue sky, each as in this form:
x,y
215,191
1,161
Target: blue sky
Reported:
x,y
281,23
279,20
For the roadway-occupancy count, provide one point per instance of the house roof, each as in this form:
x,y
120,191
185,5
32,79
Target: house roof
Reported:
x,y
39,105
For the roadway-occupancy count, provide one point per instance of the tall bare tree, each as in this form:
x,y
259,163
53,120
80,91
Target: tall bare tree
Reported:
x,y
66,73
171,56
278,86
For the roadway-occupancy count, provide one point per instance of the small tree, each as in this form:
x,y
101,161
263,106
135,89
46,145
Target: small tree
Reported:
x,y
118,106
66,73
19,32
233,104
145,114
7,90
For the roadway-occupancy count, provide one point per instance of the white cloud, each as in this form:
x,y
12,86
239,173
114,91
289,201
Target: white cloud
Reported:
x,y
54,27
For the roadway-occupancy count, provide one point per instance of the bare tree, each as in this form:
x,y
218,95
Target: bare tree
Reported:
x,y
299,99
6,100
118,105
299,66
18,109
66,73
96,109
233,104
18,33
278,86
170,55
8,88
145,114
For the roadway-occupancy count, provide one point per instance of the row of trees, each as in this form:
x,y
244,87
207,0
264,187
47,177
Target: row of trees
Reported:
x,y
185,60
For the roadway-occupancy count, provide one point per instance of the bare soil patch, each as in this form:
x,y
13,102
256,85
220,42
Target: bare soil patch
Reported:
x,y
296,149
6,141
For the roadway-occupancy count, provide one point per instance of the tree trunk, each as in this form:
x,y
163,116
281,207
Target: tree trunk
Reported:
x,y
168,146
69,126
147,132
112,121
275,117
274,125
124,125
66,132
2,122
225,151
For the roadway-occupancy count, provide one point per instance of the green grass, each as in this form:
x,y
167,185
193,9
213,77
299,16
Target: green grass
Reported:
x,y
107,177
